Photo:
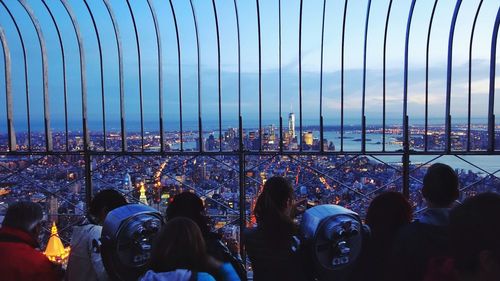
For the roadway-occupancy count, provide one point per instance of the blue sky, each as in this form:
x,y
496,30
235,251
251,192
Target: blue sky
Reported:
x,y
311,36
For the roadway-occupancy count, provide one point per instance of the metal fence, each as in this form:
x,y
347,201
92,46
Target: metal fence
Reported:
x,y
97,45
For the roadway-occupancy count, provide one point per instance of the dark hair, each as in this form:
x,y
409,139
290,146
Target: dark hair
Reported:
x,y
440,185
23,215
387,213
178,245
188,204
475,227
270,206
107,199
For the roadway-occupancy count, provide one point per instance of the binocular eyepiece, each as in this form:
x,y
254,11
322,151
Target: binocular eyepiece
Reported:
x,y
127,237
333,237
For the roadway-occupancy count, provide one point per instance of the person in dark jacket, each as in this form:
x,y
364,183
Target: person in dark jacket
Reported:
x,y
427,236
188,204
475,238
20,258
474,242
387,213
271,245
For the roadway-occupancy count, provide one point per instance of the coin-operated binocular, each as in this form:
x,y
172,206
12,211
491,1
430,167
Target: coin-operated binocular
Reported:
x,y
333,238
127,236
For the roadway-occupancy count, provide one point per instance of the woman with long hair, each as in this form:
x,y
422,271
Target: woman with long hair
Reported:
x,y
189,205
179,253
271,245
386,215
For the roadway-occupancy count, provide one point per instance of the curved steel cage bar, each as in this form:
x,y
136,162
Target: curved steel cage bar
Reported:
x,y
83,76
45,74
26,80
8,91
65,90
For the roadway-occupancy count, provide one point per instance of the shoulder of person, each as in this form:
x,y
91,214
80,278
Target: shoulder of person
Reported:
x,y
204,276
250,233
89,228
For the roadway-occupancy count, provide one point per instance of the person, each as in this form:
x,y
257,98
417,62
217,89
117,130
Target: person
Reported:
x,y
427,236
179,254
188,204
271,246
20,258
387,213
475,248
85,262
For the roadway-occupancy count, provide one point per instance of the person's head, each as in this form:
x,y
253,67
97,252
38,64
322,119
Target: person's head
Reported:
x,y
188,204
441,185
387,213
474,237
104,202
178,245
274,205
26,216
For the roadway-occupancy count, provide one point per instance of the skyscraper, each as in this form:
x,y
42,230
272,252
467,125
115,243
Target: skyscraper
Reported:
x,y
307,138
127,182
53,209
142,195
55,250
291,125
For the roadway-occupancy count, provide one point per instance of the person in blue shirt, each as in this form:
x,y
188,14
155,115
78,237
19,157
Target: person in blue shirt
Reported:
x,y
189,205
179,254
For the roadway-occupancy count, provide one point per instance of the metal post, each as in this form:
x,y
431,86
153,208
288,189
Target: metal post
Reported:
x,y
427,76
491,99
470,76
406,163
120,74
26,80
321,132
448,77
179,69
88,178
384,75
63,58
45,74
8,92
242,197
138,46
363,105
83,81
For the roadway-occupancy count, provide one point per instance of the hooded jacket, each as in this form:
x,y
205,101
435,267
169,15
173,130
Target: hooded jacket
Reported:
x,y
85,262
226,273
177,275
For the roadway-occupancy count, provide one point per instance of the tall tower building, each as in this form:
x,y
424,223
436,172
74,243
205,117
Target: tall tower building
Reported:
x,y
307,138
127,182
291,125
53,209
142,195
55,251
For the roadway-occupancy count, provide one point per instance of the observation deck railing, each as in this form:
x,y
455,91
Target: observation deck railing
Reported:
x,y
110,94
